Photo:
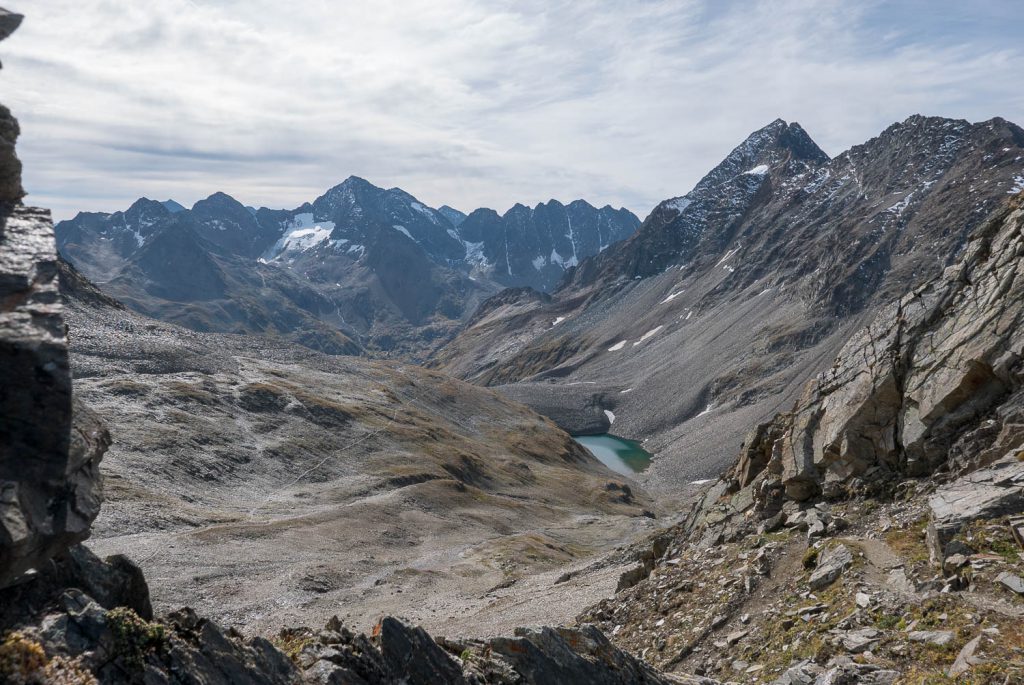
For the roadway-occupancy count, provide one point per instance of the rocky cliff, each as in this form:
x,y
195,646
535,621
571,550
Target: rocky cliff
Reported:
x,y
50,446
932,384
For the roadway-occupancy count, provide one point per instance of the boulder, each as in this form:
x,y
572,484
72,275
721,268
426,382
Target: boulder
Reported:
x,y
803,673
1011,582
860,640
567,656
966,659
940,638
844,670
991,492
413,657
831,565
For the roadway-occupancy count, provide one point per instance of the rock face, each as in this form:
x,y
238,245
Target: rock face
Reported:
x,y
50,447
535,246
10,166
936,369
84,620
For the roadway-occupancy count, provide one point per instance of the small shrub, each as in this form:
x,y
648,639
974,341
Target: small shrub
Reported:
x,y
23,662
810,559
133,636
292,641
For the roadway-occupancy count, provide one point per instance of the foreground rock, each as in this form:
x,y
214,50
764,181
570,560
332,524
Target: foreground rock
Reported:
x,y
90,621
995,491
50,447
84,620
399,653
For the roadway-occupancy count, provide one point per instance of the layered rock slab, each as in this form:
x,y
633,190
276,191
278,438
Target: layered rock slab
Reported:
x,y
50,447
938,367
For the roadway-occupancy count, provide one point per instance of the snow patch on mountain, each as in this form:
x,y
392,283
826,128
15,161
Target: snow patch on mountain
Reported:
x,y
647,335
678,204
425,211
560,261
475,254
301,233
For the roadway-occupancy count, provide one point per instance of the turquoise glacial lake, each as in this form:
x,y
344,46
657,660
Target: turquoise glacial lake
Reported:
x,y
619,454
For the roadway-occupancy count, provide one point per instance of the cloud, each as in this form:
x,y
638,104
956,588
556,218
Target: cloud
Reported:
x,y
470,102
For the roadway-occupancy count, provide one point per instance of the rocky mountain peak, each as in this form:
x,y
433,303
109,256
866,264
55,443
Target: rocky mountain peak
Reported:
x,y
173,206
764,150
453,215
347,191
219,200
143,209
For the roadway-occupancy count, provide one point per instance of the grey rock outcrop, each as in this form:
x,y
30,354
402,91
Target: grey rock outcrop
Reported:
x,y
399,653
929,373
990,492
50,447
49,461
10,165
832,564
553,656
88,620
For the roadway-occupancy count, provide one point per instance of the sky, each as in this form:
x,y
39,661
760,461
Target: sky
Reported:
x,y
471,103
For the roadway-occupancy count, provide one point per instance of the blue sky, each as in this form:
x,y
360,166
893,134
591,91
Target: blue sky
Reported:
x,y
471,102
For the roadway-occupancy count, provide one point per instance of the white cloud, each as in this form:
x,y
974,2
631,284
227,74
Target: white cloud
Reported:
x,y
465,102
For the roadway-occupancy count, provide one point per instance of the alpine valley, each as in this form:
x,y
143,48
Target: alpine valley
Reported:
x,y
335,444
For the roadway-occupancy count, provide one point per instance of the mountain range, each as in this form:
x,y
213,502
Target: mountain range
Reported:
x,y
360,268
822,356
727,299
